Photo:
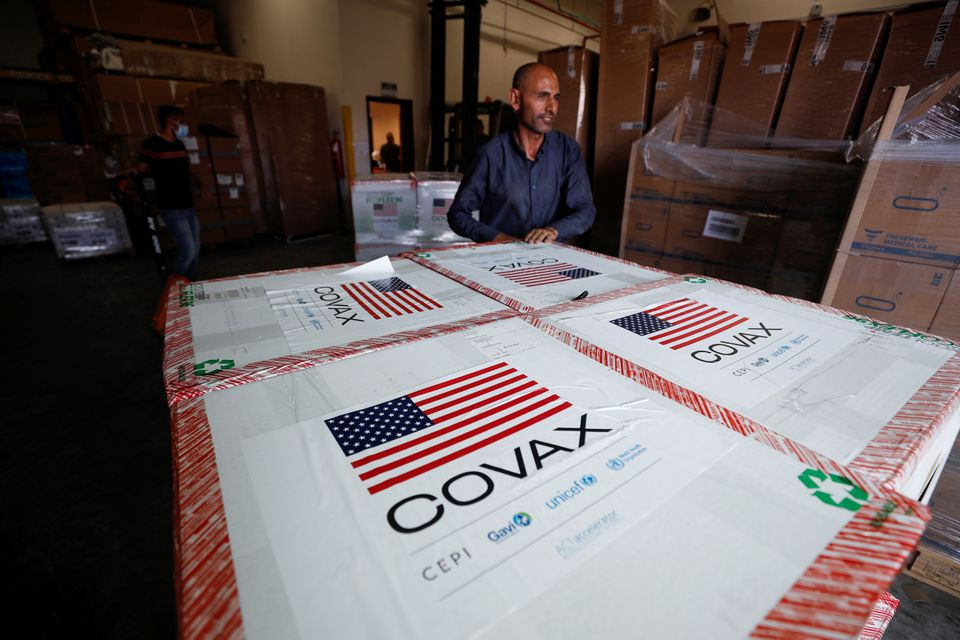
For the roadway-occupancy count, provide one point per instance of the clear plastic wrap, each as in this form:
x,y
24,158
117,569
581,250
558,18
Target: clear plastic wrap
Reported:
x,y
86,229
927,130
435,193
21,221
943,532
741,154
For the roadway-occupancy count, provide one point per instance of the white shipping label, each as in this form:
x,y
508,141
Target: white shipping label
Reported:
x,y
858,65
190,143
571,62
642,28
753,34
238,179
631,126
617,11
769,69
827,27
697,57
723,225
661,85
224,179
194,157
234,193
940,34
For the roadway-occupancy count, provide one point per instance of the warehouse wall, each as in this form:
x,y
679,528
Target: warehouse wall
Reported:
x,y
351,46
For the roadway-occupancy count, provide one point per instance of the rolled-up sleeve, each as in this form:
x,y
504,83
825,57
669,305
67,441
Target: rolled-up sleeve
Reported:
x,y
469,198
577,197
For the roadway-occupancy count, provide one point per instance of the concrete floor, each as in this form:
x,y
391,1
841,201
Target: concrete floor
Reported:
x,y
85,445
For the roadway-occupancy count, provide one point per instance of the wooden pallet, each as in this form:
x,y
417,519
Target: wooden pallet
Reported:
x,y
936,569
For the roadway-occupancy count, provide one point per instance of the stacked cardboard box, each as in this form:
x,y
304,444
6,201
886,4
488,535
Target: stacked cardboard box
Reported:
x,y
576,68
900,250
292,138
688,67
127,105
141,18
86,229
832,76
151,60
764,217
30,122
225,107
756,72
630,35
923,47
68,173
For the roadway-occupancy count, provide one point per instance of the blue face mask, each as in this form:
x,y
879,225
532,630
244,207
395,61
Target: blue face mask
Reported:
x,y
182,131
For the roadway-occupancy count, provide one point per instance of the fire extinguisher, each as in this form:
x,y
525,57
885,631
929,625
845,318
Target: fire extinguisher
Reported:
x,y
336,148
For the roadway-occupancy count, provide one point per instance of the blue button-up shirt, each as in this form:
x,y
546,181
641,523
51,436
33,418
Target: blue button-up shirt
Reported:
x,y
515,194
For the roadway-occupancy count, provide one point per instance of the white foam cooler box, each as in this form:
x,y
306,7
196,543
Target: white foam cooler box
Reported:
x,y
495,482
235,330
385,209
532,276
880,399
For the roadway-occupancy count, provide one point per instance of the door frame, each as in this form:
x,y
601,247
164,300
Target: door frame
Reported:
x,y
408,148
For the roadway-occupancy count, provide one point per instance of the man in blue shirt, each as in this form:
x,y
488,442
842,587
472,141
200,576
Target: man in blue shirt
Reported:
x,y
530,183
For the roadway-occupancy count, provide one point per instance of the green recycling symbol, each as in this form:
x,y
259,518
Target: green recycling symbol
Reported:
x,y
829,485
423,255
209,367
695,279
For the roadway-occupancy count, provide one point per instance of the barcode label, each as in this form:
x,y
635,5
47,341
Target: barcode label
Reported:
x,y
661,85
630,126
858,65
571,62
695,63
725,226
617,11
769,69
750,43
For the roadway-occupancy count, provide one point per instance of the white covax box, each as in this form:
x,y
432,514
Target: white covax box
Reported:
x,y
532,276
495,481
385,209
234,330
880,399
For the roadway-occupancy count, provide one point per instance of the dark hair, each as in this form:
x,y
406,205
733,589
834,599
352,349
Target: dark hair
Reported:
x,y
167,111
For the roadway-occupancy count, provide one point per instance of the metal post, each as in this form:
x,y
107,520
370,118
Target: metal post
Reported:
x,y
438,53
471,69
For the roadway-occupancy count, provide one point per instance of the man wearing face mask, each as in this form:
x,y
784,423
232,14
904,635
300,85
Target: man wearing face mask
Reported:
x,y
530,183
164,156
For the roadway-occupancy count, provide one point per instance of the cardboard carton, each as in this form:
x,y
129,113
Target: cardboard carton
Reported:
x,y
947,321
142,18
755,72
835,65
897,292
923,47
687,67
576,68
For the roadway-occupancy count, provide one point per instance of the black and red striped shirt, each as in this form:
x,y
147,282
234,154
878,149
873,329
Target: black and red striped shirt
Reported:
x,y
170,168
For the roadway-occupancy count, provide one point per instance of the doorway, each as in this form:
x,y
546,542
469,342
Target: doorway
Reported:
x,y
390,118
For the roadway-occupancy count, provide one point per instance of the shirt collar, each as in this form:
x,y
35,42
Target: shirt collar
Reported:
x,y
519,148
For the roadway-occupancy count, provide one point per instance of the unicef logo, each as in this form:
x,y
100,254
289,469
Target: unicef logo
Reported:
x,y
588,480
522,519
615,464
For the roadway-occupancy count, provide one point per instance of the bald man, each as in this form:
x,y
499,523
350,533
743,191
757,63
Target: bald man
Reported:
x,y
529,183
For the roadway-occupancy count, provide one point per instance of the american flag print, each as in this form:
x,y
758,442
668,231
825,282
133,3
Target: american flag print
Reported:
x,y
385,210
546,274
389,298
393,441
441,206
679,323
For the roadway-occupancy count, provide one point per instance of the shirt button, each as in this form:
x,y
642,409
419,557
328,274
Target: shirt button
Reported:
x,y
534,186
